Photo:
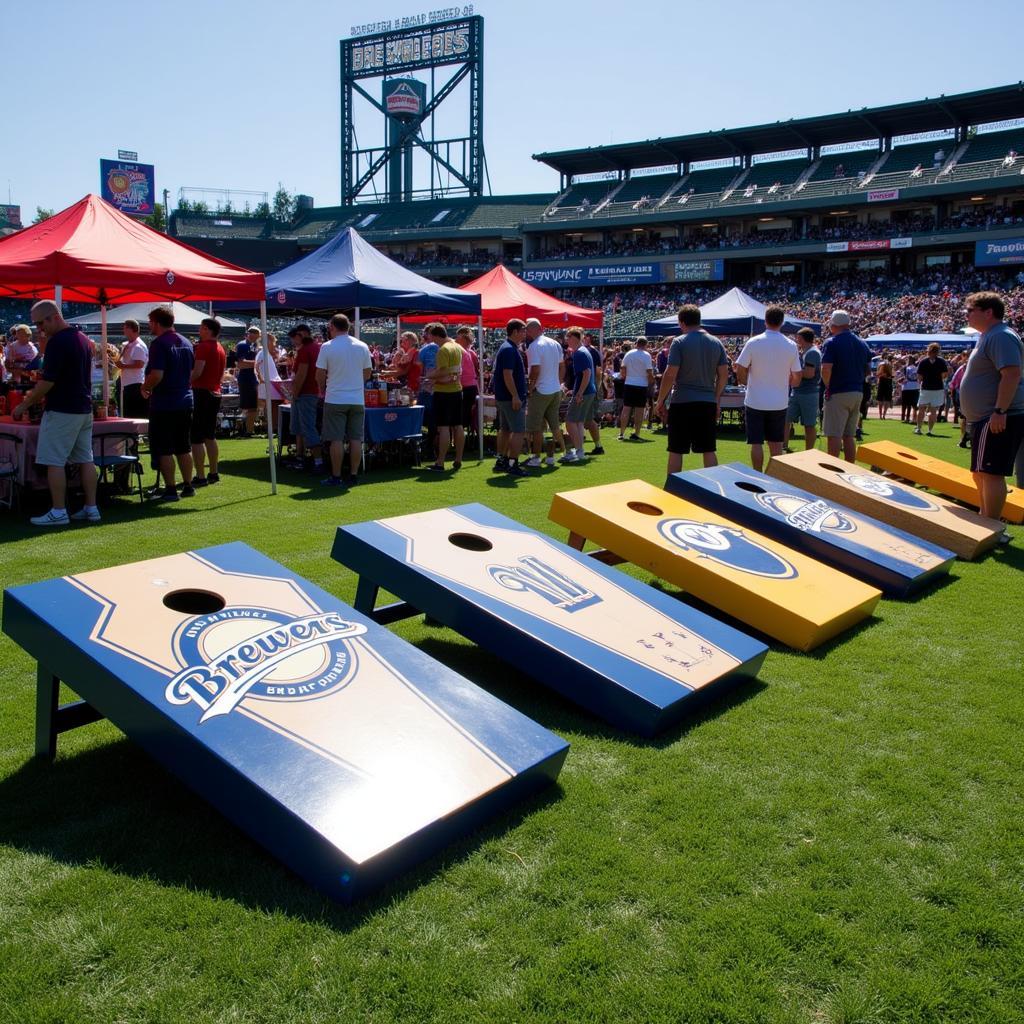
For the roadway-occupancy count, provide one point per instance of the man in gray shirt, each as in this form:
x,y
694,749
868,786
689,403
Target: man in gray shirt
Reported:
x,y
992,400
695,375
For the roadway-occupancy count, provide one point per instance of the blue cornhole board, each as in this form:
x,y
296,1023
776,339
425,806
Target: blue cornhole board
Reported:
x,y
634,656
897,563
346,752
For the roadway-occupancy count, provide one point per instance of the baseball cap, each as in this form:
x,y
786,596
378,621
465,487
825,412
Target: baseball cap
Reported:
x,y
840,318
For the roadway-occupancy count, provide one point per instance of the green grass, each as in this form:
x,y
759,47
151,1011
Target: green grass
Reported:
x,y
838,843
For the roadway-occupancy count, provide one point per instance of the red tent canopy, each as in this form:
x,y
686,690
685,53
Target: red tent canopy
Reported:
x,y
97,254
504,296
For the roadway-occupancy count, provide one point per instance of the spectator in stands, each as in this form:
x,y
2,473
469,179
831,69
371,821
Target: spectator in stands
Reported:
x,y
207,374
992,400
447,399
546,373
845,362
245,374
769,365
637,381
583,397
932,371
803,402
306,398
65,432
131,361
695,376
509,381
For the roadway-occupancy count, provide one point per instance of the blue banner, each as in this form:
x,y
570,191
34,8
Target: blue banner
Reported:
x,y
595,274
995,254
130,187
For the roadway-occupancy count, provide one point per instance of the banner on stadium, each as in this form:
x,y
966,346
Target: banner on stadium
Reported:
x,y
837,247
869,245
10,217
883,195
130,187
700,270
597,274
900,243
995,254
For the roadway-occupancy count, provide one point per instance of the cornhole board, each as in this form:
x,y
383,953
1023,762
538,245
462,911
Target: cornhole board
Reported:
x,y
346,752
636,657
895,562
925,515
759,581
935,474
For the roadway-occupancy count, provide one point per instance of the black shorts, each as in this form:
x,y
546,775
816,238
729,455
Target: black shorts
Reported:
x,y
248,398
908,399
170,433
204,415
135,406
447,408
996,453
469,407
765,425
691,427
634,396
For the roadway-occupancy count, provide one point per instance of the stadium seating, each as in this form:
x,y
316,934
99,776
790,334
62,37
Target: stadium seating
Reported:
x,y
582,197
839,166
222,226
510,215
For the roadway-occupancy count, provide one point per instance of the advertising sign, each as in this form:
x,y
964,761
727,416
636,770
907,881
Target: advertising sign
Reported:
x,y
883,195
1001,253
10,217
596,274
837,247
130,187
700,270
399,52
404,98
869,245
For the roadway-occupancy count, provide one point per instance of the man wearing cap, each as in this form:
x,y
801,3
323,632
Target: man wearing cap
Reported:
x,y
305,396
845,361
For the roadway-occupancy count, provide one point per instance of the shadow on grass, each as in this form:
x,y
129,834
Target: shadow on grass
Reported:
x,y
116,809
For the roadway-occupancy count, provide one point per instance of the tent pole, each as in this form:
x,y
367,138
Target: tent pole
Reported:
x,y
356,329
480,384
270,405
58,295
104,359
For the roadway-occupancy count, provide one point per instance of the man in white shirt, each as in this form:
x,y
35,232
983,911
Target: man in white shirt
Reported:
x,y
132,364
637,382
342,369
546,364
769,365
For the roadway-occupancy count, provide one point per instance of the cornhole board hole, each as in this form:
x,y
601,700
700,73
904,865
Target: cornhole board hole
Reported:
x,y
759,581
935,474
638,658
928,516
346,752
895,562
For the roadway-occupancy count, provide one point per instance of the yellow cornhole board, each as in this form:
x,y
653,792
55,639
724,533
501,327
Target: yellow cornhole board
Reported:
x,y
925,515
935,474
759,581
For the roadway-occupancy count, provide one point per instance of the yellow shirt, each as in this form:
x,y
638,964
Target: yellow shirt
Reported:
x,y
449,360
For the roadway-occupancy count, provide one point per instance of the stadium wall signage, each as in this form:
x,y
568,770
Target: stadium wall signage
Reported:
x,y
10,217
598,274
994,254
397,52
883,195
869,245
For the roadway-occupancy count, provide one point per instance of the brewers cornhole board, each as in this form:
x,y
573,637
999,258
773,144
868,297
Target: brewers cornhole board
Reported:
x,y
935,474
925,515
342,749
755,579
636,657
895,562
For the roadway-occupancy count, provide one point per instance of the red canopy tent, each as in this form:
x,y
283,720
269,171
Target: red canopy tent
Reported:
x,y
91,252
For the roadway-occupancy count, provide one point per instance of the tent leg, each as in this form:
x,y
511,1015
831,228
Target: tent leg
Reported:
x,y
58,295
104,359
270,404
480,385
356,328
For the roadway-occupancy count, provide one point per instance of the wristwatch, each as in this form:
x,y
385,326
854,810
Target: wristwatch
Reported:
x,y
1000,412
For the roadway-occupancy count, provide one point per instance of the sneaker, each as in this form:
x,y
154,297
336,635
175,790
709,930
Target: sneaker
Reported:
x,y
51,519
200,481
435,468
634,437
569,457
930,434
169,494
515,469
213,478
1004,537
962,443
456,465
597,450
917,430
351,481
621,437
549,461
533,462
501,465
86,515
188,491
331,481
859,435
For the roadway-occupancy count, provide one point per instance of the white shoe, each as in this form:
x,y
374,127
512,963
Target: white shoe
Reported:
x,y
532,463
917,430
51,519
569,457
86,515
549,461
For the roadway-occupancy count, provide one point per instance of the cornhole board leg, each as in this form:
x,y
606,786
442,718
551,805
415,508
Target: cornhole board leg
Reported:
x,y
53,718
366,600
603,555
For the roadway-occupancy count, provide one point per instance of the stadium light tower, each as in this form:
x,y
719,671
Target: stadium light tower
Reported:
x,y
393,52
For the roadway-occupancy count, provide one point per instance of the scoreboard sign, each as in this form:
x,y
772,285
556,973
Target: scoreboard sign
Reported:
x,y
387,53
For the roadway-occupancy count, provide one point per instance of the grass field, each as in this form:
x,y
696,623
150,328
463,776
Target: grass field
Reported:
x,y
839,843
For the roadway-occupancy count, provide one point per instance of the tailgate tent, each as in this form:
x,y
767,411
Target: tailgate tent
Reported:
x,y
186,319
734,313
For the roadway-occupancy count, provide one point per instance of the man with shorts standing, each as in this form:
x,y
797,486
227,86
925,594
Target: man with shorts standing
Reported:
x,y
547,370
932,372
803,402
65,432
695,375
168,386
637,381
470,378
510,399
845,361
245,373
207,375
132,364
428,363
992,400
769,365
343,366
306,397
447,400
584,394
593,426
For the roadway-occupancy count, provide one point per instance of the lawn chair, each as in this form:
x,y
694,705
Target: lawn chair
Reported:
x,y
119,451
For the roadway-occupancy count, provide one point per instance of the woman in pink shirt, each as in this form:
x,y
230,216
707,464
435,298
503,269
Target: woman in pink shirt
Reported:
x,y
470,377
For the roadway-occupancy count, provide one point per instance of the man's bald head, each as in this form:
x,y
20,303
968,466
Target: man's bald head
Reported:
x,y
47,317
533,328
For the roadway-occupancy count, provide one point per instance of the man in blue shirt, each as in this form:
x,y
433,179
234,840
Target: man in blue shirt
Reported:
x,y
428,361
510,399
583,396
168,386
803,401
845,361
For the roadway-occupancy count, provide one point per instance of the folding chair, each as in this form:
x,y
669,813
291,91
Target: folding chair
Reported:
x,y
10,469
119,449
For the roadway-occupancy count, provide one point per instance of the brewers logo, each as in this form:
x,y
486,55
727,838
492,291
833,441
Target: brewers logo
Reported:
x,y
809,516
880,488
727,546
537,577
254,653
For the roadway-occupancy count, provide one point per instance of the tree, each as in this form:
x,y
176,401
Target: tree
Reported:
x,y
284,205
200,207
42,214
157,220
184,206
262,211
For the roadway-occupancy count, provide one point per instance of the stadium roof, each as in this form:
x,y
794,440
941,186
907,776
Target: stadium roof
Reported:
x,y
968,108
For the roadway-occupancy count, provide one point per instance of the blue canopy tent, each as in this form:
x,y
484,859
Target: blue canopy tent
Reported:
x,y
734,313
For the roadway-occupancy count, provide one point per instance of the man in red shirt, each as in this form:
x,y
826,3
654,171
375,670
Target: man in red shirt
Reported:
x,y
207,375
305,396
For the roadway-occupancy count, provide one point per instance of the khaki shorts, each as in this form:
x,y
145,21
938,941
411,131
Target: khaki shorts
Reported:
x,y
541,409
931,399
842,413
343,422
583,412
65,437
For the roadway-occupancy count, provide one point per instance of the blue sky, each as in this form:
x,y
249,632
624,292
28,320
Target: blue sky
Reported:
x,y
242,95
